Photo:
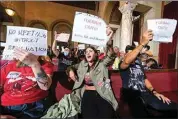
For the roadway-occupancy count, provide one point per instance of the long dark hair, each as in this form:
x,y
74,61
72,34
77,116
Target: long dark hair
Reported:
x,y
96,52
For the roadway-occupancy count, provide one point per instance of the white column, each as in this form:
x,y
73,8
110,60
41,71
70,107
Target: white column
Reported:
x,y
126,24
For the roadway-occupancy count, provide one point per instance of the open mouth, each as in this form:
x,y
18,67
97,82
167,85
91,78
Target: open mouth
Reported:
x,y
88,57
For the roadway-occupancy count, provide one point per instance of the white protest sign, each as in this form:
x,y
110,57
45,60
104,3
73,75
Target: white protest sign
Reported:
x,y
3,44
81,46
63,37
32,40
163,29
89,29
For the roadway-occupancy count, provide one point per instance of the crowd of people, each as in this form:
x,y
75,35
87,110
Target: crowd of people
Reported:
x,y
25,81
69,56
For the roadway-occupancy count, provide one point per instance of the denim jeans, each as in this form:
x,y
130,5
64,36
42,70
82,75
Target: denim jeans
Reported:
x,y
140,101
30,110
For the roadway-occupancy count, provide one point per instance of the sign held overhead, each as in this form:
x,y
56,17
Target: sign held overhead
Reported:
x,y
89,29
163,29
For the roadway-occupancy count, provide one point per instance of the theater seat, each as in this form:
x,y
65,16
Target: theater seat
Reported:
x,y
165,82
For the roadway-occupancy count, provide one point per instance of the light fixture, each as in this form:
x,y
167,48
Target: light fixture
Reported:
x,y
10,12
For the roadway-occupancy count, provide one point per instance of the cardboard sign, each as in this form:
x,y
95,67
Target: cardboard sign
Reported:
x,y
89,29
81,46
32,40
163,29
63,37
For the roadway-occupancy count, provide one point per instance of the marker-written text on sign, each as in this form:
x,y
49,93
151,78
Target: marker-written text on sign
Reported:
x,y
24,32
31,39
162,25
92,24
89,29
163,29
28,36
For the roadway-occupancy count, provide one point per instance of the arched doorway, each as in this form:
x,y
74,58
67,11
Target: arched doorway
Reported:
x,y
38,24
62,26
114,22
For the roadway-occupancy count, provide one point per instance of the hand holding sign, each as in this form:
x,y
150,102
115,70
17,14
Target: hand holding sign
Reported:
x,y
147,36
109,33
62,37
25,57
89,29
32,40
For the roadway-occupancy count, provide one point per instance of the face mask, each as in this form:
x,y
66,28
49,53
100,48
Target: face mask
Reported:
x,y
66,53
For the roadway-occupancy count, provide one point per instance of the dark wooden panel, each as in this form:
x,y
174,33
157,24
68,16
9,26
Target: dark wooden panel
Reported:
x,y
3,15
82,4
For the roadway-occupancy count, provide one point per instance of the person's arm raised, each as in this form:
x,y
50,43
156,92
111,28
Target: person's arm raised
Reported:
x,y
131,56
44,80
54,49
110,56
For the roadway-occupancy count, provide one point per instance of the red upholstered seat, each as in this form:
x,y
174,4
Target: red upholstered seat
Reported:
x,y
165,82
60,91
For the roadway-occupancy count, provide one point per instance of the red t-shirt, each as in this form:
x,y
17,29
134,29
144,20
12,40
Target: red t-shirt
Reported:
x,y
20,85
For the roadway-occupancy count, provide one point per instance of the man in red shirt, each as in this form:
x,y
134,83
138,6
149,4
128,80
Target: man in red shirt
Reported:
x,y
25,83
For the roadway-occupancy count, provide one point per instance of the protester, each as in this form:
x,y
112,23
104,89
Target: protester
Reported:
x,y
81,55
25,83
136,85
97,100
74,52
151,64
146,50
49,52
65,59
143,58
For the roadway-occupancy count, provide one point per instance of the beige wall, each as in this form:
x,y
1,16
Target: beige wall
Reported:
x,y
102,8
48,12
105,9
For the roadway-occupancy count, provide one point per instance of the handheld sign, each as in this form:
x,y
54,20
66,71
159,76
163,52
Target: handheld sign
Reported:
x,y
89,29
163,29
81,46
63,37
32,40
